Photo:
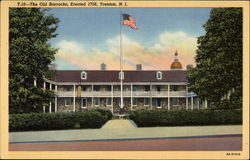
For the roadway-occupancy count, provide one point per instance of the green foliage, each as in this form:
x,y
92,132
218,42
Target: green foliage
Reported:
x,y
106,112
150,118
56,121
30,54
219,56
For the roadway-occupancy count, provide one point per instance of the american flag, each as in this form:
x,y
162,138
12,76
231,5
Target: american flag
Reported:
x,y
129,21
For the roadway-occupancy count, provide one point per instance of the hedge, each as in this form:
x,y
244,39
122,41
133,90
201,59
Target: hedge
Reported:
x,y
56,121
150,118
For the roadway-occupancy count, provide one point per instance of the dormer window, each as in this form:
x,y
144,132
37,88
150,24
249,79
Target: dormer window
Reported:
x,y
83,75
159,75
121,75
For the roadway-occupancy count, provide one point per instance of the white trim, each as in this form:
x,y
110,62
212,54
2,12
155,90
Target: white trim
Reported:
x,y
74,98
151,100
131,97
92,90
56,99
50,104
112,95
186,98
44,88
168,97
158,75
85,75
82,102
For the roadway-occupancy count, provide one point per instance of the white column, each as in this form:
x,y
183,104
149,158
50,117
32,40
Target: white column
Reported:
x,y
186,97
131,97
35,82
121,90
44,87
198,104
56,98
74,98
168,97
205,104
92,88
112,95
192,102
50,105
151,105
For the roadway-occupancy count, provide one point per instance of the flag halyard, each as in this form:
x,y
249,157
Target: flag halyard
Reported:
x,y
129,21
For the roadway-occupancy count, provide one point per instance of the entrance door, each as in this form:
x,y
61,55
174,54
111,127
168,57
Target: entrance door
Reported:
x,y
84,103
158,103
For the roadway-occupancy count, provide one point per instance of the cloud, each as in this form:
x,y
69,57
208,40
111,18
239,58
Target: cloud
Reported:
x,y
156,57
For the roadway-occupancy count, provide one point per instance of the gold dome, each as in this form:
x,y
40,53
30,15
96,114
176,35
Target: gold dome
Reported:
x,y
176,65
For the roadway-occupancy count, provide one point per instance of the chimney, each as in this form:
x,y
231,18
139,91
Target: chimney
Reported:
x,y
138,67
103,67
188,67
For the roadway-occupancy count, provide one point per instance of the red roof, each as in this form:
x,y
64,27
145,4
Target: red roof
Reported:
x,y
113,76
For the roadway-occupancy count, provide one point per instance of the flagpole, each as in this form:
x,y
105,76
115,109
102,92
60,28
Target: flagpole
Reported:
x,y
121,59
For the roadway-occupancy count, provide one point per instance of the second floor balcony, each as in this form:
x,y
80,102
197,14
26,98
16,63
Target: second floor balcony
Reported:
x,y
125,93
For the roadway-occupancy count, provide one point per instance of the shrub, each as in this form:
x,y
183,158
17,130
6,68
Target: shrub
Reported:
x,y
148,118
55,121
107,113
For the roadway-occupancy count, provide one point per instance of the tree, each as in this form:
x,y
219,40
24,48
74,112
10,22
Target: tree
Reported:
x,y
219,58
29,58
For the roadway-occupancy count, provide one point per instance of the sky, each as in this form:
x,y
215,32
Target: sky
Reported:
x,y
88,37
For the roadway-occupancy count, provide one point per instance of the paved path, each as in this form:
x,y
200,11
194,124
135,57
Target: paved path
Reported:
x,y
221,143
121,130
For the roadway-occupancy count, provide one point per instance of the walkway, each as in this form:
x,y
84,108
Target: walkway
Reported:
x,y
122,130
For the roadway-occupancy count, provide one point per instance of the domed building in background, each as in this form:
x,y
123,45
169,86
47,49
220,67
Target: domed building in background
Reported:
x,y
176,65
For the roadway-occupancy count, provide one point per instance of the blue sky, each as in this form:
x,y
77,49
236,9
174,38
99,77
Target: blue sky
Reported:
x,y
90,36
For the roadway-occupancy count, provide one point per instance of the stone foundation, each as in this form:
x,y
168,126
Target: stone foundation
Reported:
x,y
138,105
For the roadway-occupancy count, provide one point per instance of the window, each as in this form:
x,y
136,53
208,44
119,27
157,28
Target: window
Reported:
x,y
134,102
83,75
68,101
84,103
158,103
146,101
121,75
175,102
108,102
159,75
97,101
